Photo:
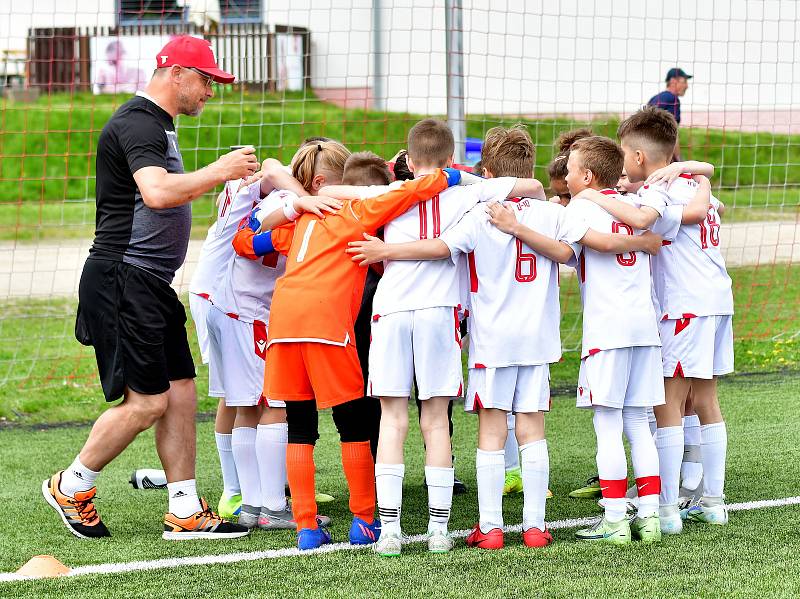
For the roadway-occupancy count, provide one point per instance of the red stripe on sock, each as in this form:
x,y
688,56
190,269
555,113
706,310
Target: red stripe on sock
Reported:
x,y
648,485
614,489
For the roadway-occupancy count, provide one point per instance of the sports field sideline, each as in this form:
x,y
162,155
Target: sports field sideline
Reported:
x,y
752,554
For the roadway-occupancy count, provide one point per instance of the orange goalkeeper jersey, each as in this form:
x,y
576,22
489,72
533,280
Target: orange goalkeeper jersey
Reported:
x,y
319,296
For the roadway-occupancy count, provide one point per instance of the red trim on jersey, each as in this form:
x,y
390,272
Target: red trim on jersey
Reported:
x,y
582,267
678,371
681,324
609,192
463,167
478,403
458,326
515,200
232,315
594,351
460,389
479,365
665,242
689,315
423,220
260,338
473,273
665,317
648,485
262,401
591,397
376,317
614,489
685,176
204,296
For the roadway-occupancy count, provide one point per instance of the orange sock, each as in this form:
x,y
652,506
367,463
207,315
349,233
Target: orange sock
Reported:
x,y
300,473
359,469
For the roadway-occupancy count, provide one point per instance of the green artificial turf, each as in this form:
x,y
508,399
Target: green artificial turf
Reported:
x,y
754,555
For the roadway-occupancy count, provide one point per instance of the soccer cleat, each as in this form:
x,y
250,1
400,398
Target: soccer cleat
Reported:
x,y
533,537
229,506
248,516
590,490
204,524
459,488
439,542
319,497
77,513
513,482
646,530
708,513
670,520
363,533
147,478
616,533
312,538
489,540
284,520
389,544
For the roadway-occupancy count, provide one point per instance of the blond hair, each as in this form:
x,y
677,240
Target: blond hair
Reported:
x,y
508,152
315,158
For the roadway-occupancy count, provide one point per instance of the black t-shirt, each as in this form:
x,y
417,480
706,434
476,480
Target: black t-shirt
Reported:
x,y
139,134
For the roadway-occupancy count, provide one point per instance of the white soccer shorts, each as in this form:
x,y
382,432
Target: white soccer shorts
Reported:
x,y
511,388
700,347
199,307
423,344
238,350
621,378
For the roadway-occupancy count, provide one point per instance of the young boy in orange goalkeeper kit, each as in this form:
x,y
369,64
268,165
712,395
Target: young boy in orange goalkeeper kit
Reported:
x,y
312,361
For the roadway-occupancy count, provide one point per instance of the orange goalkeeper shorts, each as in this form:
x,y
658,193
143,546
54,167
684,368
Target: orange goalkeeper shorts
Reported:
x,y
302,370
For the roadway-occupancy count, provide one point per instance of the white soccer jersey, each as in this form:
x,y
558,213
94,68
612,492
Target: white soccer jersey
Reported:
x,y
245,289
514,290
615,288
413,285
689,274
234,204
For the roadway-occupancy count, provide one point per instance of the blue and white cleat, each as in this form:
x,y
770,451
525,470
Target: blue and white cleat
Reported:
x,y
708,511
362,533
312,538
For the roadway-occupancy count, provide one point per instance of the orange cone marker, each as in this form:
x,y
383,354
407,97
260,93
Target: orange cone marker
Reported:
x,y
43,566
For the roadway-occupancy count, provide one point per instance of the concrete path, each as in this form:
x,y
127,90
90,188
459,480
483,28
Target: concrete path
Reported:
x,y
52,270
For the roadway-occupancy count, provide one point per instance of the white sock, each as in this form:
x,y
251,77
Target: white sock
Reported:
x,y
490,471
183,500
512,447
230,480
389,492
271,442
692,466
714,449
77,478
612,465
651,422
644,457
669,443
243,445
535,478
440,496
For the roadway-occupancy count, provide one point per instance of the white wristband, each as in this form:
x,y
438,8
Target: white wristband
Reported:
x,y
289,211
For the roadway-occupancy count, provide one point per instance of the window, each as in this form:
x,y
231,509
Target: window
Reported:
x,y
132,12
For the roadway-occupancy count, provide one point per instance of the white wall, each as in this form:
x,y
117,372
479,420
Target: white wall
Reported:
x,y
539,56
533,56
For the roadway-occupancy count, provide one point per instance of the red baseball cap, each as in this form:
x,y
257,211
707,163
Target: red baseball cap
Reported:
x,y
192,52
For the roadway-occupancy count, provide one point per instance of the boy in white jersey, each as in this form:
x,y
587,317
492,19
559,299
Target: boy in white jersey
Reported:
x,y
621,359
415,334
514,331
696,301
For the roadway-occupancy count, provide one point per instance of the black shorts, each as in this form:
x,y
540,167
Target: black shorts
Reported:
x,y
136,324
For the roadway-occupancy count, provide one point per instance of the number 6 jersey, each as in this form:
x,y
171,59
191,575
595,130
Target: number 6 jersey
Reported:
x,y
615,288
513,290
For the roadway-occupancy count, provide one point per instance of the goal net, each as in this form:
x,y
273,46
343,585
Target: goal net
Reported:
x,y
363,72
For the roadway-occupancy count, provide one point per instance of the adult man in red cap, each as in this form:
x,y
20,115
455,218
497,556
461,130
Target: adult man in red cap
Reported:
x,y
670,98
127,309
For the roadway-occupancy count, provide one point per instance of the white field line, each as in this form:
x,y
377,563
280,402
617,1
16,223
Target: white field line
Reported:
x,y
249,556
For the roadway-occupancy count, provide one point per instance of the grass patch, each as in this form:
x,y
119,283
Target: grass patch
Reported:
x,y
47,376
739,560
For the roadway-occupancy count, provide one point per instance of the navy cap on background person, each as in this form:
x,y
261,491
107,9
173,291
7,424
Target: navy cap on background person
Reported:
x,y
677,72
